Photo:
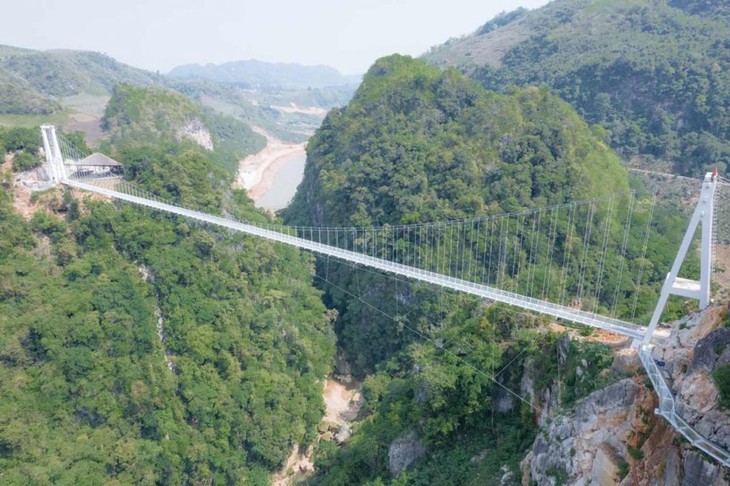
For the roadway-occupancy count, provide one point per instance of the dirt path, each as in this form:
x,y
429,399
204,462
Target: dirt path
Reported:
x,y
256,173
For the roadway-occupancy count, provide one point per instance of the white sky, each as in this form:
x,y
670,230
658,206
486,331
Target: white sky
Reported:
x,y
161,34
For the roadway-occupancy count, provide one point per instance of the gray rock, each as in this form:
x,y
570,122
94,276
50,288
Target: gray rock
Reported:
x,y
698,472
403,452
712,351
344,433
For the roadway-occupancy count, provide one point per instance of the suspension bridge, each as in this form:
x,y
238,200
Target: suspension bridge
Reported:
x,y
571,261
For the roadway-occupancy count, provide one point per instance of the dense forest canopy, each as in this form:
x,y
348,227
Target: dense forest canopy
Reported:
x,y
418,144
654,74
141,348
145,116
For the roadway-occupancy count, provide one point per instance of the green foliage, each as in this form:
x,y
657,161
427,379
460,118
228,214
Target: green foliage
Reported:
x,y
653,75
99,389
25,161
722,379
138,117
623,470
18,139
417,144
31,82
233,140
24,143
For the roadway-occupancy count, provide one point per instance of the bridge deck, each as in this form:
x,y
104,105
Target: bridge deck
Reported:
x,y
541,306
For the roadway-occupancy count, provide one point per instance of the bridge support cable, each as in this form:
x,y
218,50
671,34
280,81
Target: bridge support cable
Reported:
x,y
400,321
452,261
643,255
508,297
624,244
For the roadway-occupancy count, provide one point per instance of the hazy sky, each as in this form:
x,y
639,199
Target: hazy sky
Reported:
x,y
162,34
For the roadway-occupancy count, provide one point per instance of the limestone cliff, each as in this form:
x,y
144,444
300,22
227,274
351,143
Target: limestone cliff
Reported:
x,y
196,131
613,437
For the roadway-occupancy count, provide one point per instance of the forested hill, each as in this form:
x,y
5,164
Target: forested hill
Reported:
x,y
32,82
653,73
257,74
138,116
139,348
418,144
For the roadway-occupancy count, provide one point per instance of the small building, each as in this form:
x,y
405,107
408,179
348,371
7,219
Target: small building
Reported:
x,y
97,165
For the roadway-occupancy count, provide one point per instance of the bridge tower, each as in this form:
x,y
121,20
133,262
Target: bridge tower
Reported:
x,y
693,289
54,159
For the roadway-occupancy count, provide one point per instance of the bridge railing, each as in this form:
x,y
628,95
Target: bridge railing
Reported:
x,y
668,409
512,298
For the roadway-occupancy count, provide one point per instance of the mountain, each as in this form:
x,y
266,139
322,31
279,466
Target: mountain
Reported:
x,y
139,348
138,115
34,82
258,74
653,73
419,144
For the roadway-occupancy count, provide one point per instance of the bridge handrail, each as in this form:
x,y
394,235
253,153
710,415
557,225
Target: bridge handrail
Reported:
x,y
668,409
545,307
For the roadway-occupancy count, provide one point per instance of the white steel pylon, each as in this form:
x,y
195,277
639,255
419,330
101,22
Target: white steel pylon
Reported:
x,y
54,159
683,287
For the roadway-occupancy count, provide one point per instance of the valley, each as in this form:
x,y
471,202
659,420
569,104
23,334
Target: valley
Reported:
x,y
553,154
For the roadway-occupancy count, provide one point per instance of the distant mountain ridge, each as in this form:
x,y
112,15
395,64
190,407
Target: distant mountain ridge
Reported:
x,y
254,73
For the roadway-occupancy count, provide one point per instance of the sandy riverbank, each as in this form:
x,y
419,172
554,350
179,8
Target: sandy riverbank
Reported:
x,y
256,173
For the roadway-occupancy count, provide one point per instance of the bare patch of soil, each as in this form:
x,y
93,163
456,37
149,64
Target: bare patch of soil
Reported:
x,y
343,404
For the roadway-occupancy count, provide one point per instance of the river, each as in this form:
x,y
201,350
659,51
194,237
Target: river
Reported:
x,y
285,183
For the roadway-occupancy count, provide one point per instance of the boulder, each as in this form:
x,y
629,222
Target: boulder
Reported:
x,y
403,452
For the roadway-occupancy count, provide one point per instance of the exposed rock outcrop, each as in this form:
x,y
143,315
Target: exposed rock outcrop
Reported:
x,y
196,131
589,444
403,452
613,436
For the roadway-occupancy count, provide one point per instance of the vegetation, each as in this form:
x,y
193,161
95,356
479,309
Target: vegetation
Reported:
x,y
651,73
137,116
255,74
32,81
140,348
722,379
417,144
24,144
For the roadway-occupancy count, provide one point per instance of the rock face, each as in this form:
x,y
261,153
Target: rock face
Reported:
x,y
403,452
698,471
196,131
613,436
690,370
589,444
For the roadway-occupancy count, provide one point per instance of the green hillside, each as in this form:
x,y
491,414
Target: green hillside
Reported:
x,y
33,82
259,74
138,348
654,74
144,115
418,144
